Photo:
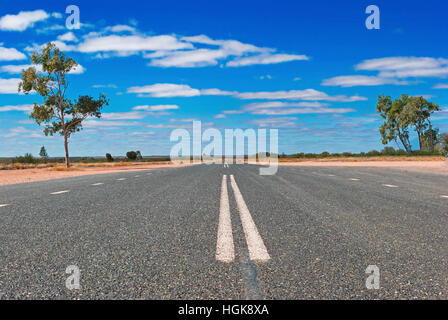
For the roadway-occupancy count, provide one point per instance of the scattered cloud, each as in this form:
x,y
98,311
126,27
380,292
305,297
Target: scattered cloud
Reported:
x,y
406,67
69,37
265,59
22,21
354,81
161,107
164,90
308,94
10,54
274,122
441,86
113,86
121,28
17,69
27,108
109,124
131,44
131,115
287,108
9,85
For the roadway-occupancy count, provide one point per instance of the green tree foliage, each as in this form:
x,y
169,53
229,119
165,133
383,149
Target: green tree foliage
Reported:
x,y
393,129
139,155
131,155
417,113
43,153
443,143
109,157
58,113
403,114
27,158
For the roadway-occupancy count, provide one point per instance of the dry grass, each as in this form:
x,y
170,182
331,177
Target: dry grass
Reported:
x,y
62,168
362,159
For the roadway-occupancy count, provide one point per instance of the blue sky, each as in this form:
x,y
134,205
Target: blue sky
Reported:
x,y
308,68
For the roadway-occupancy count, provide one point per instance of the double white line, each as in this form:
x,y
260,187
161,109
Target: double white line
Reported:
x,y
225,251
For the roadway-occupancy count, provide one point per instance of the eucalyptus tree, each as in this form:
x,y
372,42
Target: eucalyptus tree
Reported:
x,y
393,129
58,113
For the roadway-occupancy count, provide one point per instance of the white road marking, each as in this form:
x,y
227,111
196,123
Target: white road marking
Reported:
x,y
444,196
390,185
60,192
255,244
331,175
97,184
137,176
3,205
225,251
121,179
354,179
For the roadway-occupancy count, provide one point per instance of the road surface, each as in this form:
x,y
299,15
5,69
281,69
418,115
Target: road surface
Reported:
x,y
225,232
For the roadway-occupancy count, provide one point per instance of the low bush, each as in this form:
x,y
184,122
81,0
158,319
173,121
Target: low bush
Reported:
x,y
27,158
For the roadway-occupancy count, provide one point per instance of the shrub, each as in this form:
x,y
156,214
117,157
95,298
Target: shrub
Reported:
x,y
325,154
109,157
131,155
27,158
388,151
373,153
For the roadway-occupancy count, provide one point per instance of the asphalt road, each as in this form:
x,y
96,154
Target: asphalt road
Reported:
x,y
304,233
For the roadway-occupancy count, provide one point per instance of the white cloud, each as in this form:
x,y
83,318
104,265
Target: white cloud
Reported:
x,y
23,132
109,124
220,116
27,108
69,36
161,107
406,67
189,59
176,125
216,92
441,86
288,111
22,20
166,90
353,81
9,85
132,115
278,104
276,122
104,86
287,108
115,43
183,120
265,59
121,28
308,94
142,133
17,69
9,54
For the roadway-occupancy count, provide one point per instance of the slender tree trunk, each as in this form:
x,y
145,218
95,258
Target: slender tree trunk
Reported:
x,y
405,144
67,158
